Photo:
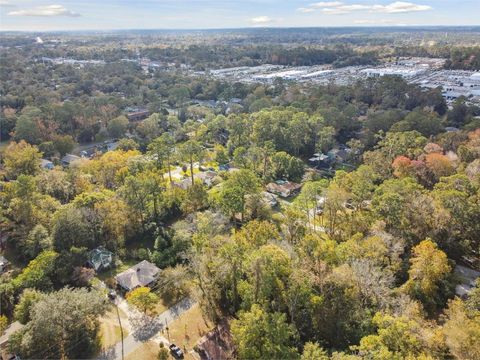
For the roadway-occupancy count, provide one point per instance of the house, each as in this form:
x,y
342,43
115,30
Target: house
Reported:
x,y
338,155
207,177
468,278
100,258
3,264
89,152
319,159
283,188
138,115
12,328
183,184
451,129
216,344
68,159
269,199
46,164
143,274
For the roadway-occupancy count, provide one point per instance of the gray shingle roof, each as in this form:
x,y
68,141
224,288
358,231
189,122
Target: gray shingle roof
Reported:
x,y
142,274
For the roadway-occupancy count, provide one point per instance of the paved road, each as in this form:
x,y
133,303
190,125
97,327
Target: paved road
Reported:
x,y
145,328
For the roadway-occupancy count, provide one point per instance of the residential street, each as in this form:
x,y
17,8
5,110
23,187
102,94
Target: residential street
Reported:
x,y
144,328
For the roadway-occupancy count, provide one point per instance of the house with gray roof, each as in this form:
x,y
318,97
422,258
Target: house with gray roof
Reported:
x,y
143,274
68,159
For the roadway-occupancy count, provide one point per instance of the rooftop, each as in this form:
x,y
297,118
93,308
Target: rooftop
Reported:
x,y
142,274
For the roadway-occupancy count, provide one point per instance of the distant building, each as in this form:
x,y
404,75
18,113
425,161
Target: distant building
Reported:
x,y
217,343
451,129
468,277
3,264
339,155
46,164
319,159
100,258
143,274
283,188
68,159
207,177
269,199
138,115
183,184
11,329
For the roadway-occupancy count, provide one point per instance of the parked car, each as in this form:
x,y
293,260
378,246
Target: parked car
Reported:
x,y
112,294
176,351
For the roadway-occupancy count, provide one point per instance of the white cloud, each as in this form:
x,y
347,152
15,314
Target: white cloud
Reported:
x,y
6,3
333,11
338,8
47,10
259,20
323,4
344,9
305,10
400,7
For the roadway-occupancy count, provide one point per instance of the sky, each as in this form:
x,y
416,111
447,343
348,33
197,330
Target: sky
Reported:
x,y
41,15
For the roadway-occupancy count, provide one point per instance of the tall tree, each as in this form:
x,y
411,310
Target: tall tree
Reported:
x,y
21,159
262,335
191,151
63,325
143,298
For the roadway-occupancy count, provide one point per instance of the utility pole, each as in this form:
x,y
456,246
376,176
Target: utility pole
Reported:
x,y
121,328
166,328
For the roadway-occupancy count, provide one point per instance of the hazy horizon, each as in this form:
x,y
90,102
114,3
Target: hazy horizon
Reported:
x,y
66,15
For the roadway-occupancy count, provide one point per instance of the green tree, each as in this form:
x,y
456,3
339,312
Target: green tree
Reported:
x,y
233,193
71,228
38,272
191,151
27,125
63,144
63,325
196,198
326,139
143,298
38,239
3,323
21,159
428,271
161,149
462,330
117,126
397,338
313,351
127,144
267,272
163,353
262,335
28,298
285,166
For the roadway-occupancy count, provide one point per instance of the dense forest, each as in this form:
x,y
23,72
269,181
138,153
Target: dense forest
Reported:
x,y
358,265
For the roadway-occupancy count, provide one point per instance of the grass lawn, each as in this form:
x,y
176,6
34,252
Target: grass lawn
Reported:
x,y
126,264
188,329
160,307
110,332
147,351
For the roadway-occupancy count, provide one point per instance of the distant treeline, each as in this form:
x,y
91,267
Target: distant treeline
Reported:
x,y
226,56
460,58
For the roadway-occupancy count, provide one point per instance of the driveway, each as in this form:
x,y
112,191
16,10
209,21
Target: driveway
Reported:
x,y
144,328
